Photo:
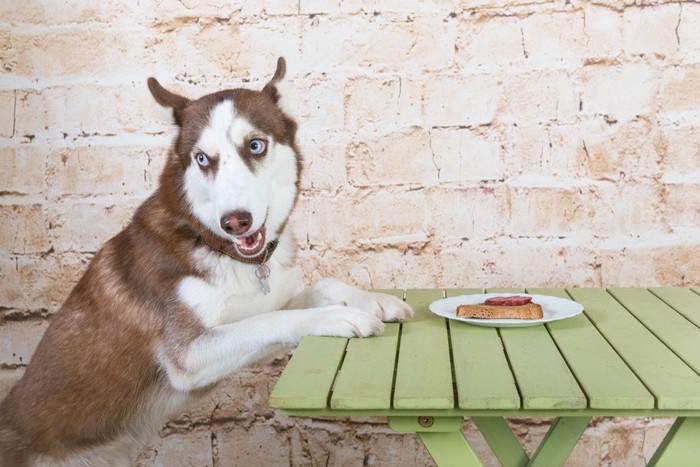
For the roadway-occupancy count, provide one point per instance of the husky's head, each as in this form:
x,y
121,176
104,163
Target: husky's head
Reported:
x,y
235,163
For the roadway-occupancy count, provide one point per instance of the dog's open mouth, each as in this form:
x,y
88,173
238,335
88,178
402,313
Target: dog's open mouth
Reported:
x,y
252,244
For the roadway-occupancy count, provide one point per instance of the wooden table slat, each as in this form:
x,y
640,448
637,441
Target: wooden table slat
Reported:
x,y
670,327
605,378
366,377
541,373
307,381
684,301
482,373
423,370
670,380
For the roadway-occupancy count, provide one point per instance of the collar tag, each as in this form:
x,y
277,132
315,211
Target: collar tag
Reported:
x,y
262,272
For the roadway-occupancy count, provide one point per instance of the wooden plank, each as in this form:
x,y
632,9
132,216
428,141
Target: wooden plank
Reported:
x,y
544,379
673,384
482,374
670,327
605,378
683,300
423,370
541,374
366,377
308,378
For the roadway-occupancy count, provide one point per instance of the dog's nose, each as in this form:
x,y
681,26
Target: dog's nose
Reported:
x,y
236,222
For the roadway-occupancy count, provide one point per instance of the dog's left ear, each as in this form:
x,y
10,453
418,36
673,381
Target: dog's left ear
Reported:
x,y
168,99
270,88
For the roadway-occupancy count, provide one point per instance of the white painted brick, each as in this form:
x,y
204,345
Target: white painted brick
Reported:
x,y
622,151
24,228
372,215
371,43
393,159
461,101
98,170
80,11
603,31
376,105
682,203
631,209
316,104
688,32
7,112
18,340
324,166
265,41
84,110
434,7
23,169
540,96
545,150
490,41
554,38
679,94
651,30
85,227
94,52
682,154
622,92
39,282
546,211
464,155
473,213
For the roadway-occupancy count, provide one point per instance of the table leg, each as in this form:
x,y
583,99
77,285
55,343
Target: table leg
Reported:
x,y
502,441
681,446
442,437
559,441
450,449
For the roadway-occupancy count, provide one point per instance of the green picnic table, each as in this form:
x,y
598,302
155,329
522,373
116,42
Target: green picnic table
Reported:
x,y
632,352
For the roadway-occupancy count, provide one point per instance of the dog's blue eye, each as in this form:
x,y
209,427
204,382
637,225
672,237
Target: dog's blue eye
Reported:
x,y
257,147
202,159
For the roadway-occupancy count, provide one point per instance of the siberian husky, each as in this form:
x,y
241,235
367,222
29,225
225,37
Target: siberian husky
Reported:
x,y
188,293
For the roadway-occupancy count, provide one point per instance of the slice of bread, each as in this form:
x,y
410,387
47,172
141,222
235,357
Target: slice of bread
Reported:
x,y
528,311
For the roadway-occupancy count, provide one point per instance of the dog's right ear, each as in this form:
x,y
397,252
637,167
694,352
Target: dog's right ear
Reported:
x,y
168,99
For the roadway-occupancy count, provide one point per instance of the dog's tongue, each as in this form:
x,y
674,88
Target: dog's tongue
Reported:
x,y
252,244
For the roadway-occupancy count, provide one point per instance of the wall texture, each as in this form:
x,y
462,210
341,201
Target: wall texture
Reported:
x,y
447,143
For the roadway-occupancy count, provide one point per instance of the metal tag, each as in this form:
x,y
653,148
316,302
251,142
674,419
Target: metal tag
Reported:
x,y
262,272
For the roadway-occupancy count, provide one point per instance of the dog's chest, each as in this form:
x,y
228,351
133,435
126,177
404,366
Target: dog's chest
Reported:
x,y
231,290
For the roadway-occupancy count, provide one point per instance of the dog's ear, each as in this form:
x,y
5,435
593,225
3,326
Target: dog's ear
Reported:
x,y
271,88
168,99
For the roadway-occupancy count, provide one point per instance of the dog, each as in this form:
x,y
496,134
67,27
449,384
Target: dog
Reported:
x,y
201,283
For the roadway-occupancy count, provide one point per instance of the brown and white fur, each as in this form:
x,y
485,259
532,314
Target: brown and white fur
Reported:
x,y
171,305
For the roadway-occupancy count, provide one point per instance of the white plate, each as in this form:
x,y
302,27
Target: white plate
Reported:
x,y
553,308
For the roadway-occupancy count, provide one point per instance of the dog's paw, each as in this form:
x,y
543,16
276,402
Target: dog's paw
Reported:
x,y
345,321
390,308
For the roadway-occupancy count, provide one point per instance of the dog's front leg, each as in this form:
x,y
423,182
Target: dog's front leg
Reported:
x,y
222,350
334,292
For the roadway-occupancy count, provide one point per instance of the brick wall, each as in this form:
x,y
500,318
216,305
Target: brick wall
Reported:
x,y
452,143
